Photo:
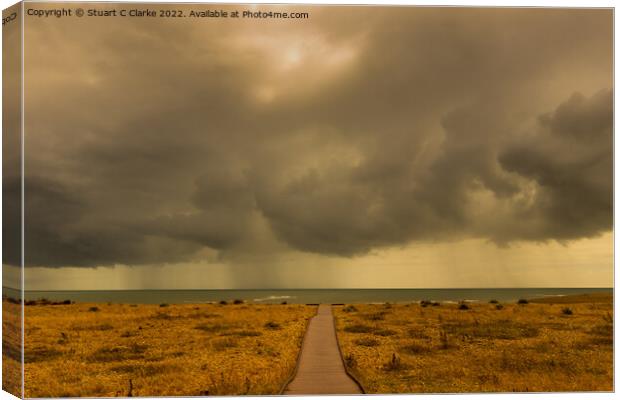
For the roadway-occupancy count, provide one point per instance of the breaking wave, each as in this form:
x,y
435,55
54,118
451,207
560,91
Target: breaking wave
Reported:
x,y
271,298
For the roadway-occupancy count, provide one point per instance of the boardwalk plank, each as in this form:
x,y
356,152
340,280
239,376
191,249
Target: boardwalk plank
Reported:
x,y
320,369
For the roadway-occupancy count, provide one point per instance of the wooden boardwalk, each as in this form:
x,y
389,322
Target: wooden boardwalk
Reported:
x,y
320,369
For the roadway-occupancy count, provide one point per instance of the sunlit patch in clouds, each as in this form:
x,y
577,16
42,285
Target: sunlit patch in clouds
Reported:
x,y
291,64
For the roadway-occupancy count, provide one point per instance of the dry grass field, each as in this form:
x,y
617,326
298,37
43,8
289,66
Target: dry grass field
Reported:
x,y
11,348
178,350
428,348
552,344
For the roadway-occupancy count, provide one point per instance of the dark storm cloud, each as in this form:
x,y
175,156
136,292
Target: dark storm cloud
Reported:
x,y
571,163
225,205
11,217
59,227
11,143
333,137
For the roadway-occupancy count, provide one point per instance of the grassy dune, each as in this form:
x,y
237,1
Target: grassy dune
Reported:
x,y
177,350
486,348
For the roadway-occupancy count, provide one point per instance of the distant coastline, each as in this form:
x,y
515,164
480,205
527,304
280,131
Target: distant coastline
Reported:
x,y
305,296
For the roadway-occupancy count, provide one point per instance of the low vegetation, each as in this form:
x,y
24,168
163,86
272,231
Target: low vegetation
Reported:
x,y
96,350
11,346
494,347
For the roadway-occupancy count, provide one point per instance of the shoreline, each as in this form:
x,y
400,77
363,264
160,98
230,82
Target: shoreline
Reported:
x,y
592,297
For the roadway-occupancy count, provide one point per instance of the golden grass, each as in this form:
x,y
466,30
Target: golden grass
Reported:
x,y
178,350
11,348
408,348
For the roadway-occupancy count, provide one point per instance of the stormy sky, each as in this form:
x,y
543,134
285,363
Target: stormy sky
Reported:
x,y
363,146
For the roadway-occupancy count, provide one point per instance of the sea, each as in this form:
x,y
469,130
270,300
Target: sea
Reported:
x,y
299,296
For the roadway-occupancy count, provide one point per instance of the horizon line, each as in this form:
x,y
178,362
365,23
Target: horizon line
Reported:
x,y
283,289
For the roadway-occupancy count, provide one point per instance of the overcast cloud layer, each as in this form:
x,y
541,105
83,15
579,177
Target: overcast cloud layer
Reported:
x,y
358,129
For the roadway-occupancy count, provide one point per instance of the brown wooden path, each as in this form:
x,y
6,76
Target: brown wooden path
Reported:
x,y
320,369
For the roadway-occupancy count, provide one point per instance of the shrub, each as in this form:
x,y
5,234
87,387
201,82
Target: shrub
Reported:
x,y
602,340
13,351
238,301
266,350
93,309
349,309
102,327
284,303
499,307
272,325
463,306
350,361
358,329
63,338
394,364
223,302
385,332
212,327
119,353
380,316
567,311
41,354
163,315
164,305
602,330
499,329
522,301
415,348
443,338
436,304
417,334
425,303
367,342
493,301
141,370
248,333
225,343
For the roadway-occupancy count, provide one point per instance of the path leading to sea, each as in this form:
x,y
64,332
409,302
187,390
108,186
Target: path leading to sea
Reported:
x,y
320,369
